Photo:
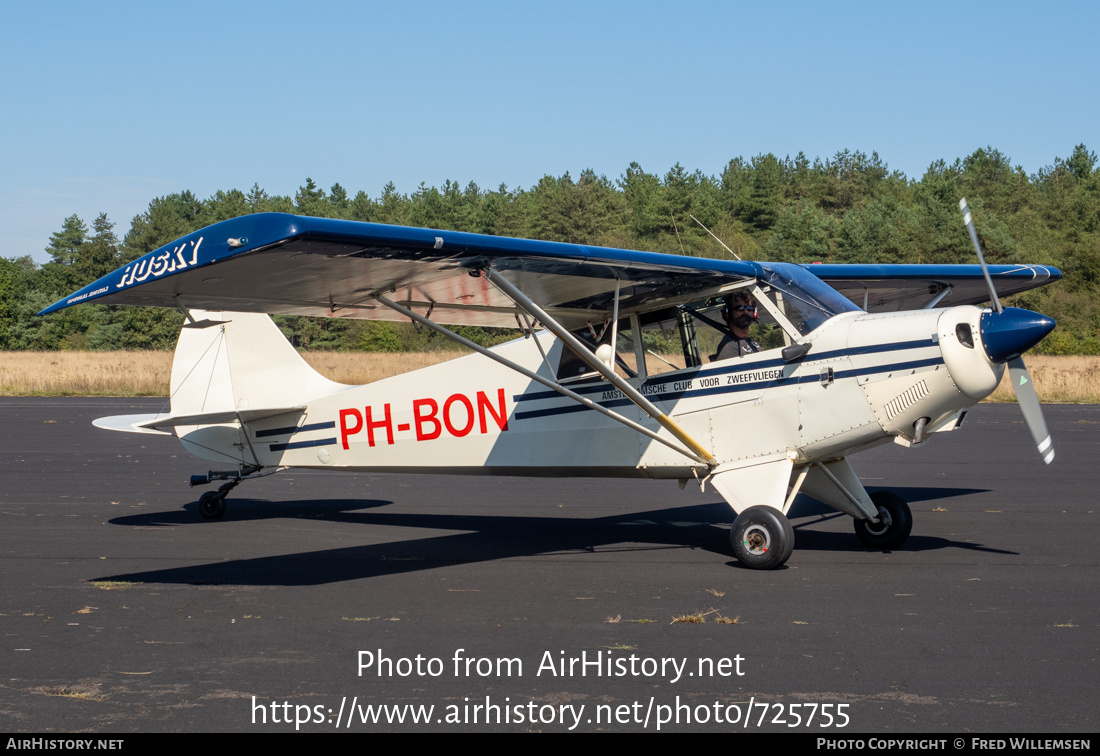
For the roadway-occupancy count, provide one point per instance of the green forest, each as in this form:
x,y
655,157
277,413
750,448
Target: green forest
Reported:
x,y
847,209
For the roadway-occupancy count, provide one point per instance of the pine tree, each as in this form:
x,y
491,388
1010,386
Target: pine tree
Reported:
x,y
99,255
338,198
65,244
311,200
766,192
1081,162
257,199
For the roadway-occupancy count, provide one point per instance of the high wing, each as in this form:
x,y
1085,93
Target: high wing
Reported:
x,y
295,265
888,288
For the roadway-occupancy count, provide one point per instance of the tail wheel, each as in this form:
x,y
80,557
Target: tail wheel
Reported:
x,y
212,505
894,525
762,538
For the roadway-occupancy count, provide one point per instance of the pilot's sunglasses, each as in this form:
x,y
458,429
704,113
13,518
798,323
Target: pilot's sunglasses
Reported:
x,y
742,308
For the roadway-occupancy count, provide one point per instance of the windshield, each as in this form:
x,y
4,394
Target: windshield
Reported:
x,y
807,300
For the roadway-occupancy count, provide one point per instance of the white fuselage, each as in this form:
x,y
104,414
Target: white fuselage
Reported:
x,y
867,378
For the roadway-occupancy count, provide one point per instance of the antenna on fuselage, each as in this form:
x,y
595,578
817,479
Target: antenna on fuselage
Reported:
x,y
735,255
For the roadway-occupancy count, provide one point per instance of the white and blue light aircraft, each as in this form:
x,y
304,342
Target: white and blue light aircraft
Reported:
x,y
610,379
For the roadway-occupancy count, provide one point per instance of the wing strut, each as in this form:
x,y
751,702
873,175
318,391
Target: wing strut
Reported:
x,y
936,299
707,460
590,359
531,331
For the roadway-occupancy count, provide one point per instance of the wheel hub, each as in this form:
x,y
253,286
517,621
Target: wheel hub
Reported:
x,y
757,541
883,524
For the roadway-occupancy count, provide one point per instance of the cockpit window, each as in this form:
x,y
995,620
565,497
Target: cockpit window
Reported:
x,y
691,334
807,300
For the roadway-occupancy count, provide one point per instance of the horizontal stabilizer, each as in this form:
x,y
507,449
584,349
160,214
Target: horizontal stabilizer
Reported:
x,y
160,424
217,418
129,423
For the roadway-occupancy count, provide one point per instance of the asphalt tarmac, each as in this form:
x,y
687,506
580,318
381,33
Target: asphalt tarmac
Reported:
x,y
307,606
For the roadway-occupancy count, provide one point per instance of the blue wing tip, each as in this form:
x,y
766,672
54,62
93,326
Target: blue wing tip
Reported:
x,y
261,228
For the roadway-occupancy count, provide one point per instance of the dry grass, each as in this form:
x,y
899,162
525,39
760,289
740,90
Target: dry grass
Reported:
x,y
81,692
85,373
1068,379
357,367
1062,379
700,617
149,373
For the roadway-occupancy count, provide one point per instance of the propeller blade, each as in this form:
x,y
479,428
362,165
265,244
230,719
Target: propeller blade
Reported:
x,y
1016,331
1029,405
969,221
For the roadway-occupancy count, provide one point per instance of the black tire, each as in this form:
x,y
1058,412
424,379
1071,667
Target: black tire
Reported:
x,y
212,505
895,522
762,538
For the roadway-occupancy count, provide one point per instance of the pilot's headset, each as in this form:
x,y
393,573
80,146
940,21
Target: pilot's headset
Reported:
x,y
730,299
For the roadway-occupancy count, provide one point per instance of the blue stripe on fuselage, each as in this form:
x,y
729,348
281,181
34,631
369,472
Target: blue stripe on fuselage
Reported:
x,y
702,372
302,444
292,429
807,377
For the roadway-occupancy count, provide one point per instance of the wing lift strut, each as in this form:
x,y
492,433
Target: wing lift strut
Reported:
x,y
687,445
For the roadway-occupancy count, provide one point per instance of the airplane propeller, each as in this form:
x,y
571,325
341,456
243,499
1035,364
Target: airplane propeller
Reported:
x,y
1007,333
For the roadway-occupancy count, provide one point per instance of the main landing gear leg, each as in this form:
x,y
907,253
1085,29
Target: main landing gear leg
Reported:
x,y
882,519
762,537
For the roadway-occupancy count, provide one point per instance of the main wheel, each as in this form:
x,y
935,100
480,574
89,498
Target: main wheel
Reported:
x,y
894,525
212,505
762,538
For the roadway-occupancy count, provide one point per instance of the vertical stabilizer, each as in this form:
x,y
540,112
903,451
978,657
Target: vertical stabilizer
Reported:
x,y
238,360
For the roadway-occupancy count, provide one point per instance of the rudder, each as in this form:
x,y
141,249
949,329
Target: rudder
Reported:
x,y
240,360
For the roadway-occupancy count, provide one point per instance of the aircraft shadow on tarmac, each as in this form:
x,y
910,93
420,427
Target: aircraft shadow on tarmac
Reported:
x,y
488,538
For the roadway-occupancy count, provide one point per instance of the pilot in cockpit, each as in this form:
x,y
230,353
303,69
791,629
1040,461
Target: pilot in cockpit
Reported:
x,y
739,314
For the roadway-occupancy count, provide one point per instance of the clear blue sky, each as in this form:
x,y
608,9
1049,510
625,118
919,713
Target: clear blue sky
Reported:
x,y
110,104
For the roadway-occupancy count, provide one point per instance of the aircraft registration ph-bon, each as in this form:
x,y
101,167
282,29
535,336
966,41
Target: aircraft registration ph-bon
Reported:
x,y
610,377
